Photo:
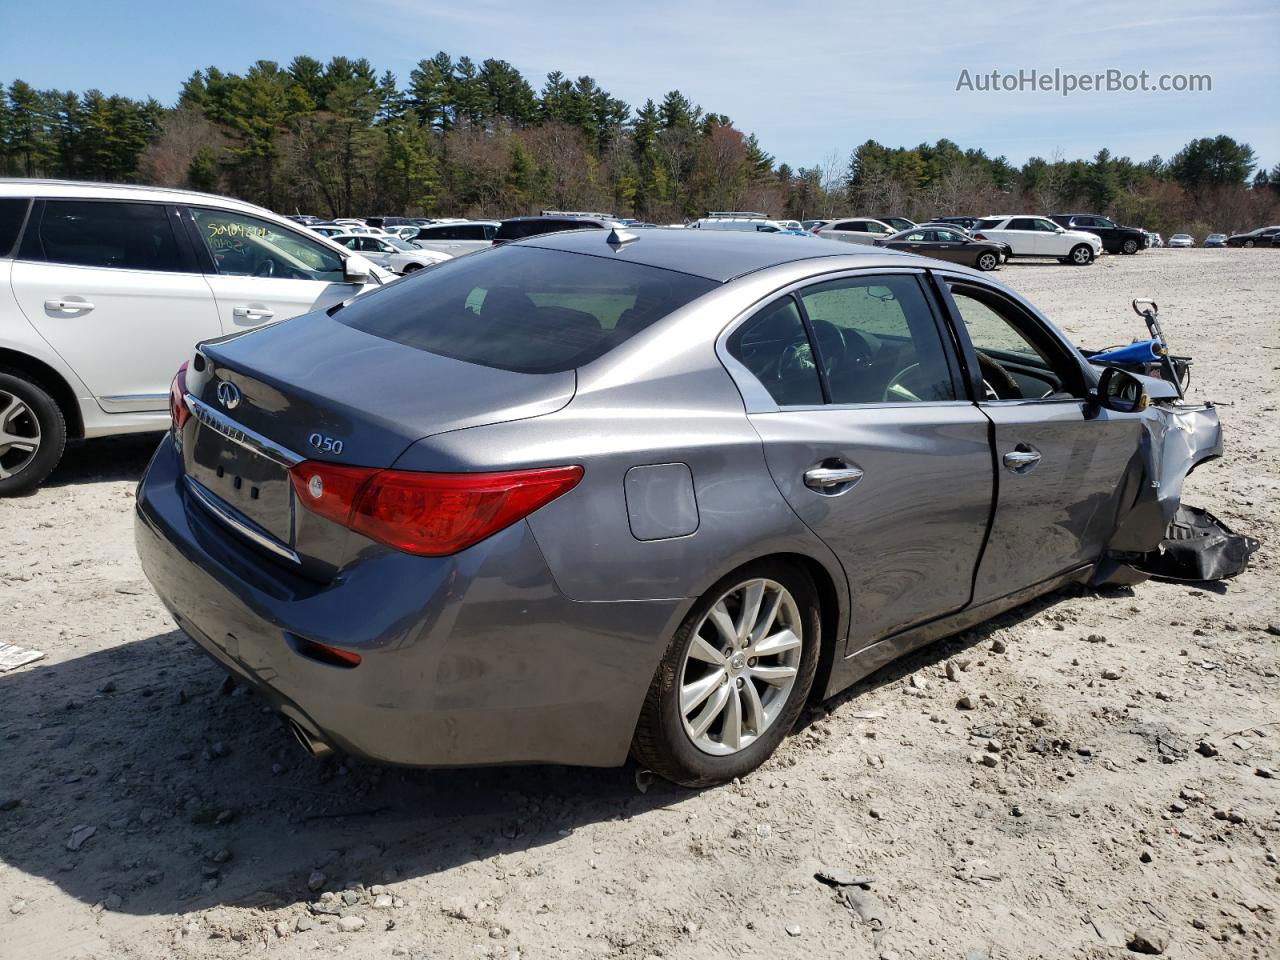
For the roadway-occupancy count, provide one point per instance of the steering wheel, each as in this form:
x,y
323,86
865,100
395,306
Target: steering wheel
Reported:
x,y
267,268
897,390
997,384
840,348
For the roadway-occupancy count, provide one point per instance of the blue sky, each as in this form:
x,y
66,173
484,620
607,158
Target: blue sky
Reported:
x,y
809,77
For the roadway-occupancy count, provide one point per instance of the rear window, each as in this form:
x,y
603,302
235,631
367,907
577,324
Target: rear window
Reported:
x,y
524,309
12,212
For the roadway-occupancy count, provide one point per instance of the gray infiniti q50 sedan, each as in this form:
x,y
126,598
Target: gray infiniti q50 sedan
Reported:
x,y
591,494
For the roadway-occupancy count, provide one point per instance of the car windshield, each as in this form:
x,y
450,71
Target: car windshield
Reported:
x,y
524,308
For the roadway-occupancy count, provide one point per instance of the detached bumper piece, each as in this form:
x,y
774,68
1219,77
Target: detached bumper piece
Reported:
x,y
1199,546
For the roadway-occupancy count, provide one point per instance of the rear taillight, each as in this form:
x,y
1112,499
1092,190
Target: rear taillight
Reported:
x,y
428,514
978,236
177,399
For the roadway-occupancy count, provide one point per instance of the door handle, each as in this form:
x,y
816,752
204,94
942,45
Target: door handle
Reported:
x,y
252,313
82,305
1022,459
832,480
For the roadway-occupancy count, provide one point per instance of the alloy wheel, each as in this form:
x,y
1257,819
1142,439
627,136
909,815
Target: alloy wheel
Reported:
x,y
1081,255
741,665
987,261
19,434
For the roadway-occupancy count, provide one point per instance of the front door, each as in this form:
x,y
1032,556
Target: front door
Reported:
x,y
871,445
115,291
1059,460
261,272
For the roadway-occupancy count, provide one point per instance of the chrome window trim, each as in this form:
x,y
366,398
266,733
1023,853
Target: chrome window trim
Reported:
x,y
245,437
243,527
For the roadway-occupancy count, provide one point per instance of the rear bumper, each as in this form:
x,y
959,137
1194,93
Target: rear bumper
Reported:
x,y
466,660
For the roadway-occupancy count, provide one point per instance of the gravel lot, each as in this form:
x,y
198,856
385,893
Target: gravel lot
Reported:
x,y
149,810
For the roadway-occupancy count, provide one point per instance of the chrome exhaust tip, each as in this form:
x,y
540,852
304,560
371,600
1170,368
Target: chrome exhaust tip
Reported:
x,y
312,744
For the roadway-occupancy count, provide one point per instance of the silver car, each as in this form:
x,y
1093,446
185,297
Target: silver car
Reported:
x,y
457,237
593,493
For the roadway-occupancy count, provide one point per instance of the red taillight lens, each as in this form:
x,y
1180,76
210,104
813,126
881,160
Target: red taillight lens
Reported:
x,y
428,514
177,402
978,236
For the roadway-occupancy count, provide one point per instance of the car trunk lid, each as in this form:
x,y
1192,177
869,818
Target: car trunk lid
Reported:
x,y
314,389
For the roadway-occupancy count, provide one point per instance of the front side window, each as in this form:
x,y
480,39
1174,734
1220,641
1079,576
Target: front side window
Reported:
x,y
247,246
946,236
107,233
1016,358
773,345
877,341
1046,226
524,309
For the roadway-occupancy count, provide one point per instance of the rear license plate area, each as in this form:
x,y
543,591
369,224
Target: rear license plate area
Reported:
x,y
254,486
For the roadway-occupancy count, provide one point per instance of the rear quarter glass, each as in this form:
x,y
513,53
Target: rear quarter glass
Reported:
x,y
524,309
13,211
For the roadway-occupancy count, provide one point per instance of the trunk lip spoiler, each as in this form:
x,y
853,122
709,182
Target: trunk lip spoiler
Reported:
x,y
241,435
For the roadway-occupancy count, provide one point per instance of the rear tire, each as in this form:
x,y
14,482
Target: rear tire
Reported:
x,y
1081,255
666,738
33,433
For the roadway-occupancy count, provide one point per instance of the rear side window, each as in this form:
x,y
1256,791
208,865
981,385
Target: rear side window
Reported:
x,y
989,224
108,233
522,308
854,227
12,212
516,230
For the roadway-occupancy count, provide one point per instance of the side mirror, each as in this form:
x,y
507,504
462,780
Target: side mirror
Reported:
x,y
1061,230
356,270
1121,391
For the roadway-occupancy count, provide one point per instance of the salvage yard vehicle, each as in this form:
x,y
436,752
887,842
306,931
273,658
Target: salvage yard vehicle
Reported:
x,y
1115,238
392,253
855,230
1261,237
1032,236
949,244
599,493
103,287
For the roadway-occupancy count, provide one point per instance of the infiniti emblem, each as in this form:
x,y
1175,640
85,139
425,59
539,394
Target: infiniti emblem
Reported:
x,y
228,394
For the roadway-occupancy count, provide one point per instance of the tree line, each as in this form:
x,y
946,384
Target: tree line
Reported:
x,y
476,139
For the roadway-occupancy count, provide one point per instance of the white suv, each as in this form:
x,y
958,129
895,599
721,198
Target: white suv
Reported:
x,y
855,230
1033,236
104,289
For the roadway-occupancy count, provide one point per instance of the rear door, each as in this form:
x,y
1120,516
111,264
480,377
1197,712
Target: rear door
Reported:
x,y
1025,236
1059,459
115,290
871,442
261,271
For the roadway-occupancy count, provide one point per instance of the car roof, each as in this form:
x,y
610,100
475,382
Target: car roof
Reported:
x,y
23,187
719,255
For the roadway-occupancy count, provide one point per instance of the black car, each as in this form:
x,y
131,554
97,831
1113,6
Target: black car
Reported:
x,y
517,228
945,243
966,222
1115,238
1261,237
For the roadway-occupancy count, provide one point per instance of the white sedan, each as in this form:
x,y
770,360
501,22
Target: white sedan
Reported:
x,y
1182,240
391,252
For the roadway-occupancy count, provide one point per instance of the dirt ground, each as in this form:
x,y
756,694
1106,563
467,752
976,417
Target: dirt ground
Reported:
x,y
148,810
